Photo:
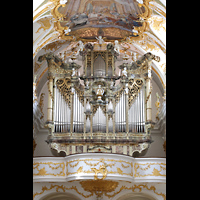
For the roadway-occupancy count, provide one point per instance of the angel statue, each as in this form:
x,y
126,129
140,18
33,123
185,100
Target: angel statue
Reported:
x,y
73,72
99,92
67,31
80,47
116,46
100,39
124,72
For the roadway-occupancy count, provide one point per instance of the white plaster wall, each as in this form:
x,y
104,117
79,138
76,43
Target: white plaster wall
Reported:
x,y
45,102
155,89
156,148
42,148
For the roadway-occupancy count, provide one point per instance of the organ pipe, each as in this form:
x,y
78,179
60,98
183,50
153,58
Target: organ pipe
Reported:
x,y
124,119
50,100
80,118
134,121
126,113
72,111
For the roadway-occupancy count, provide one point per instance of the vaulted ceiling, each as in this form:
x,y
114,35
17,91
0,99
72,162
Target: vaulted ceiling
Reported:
x,y
138,25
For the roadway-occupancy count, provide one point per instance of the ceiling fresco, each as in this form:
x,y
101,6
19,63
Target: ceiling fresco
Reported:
x,y
113,19
124,15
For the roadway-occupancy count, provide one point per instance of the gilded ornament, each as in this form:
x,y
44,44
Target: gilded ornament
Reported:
x,y
41,104
45,23
54,45
102,169
63,188
151,171
164,146
44,171
125,166
158,23
119,171
147,11
80,170
56,14
134,86
64,86
99,187
157,104
156,172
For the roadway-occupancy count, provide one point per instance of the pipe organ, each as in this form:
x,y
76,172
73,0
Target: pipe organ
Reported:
x,y
99,106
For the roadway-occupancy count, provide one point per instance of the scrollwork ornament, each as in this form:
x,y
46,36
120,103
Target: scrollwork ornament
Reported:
x,y
134,86
102,169
58,17
145,15
56,14
64,86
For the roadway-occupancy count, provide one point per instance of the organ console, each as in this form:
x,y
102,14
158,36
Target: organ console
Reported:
x,y
99,106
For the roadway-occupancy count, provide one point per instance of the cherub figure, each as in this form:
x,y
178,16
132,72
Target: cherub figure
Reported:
x,y
100,40
124,72
99,92
67,31
73,72
116,46
81,46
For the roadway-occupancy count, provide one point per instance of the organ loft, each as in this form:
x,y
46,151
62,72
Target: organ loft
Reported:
x,y
98,106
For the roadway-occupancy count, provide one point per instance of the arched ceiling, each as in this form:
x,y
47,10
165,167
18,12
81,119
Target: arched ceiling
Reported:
x,y
60,196
136,196
56,28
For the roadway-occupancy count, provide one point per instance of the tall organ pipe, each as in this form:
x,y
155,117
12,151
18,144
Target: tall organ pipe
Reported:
x,y
55,109
59,104
62,113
